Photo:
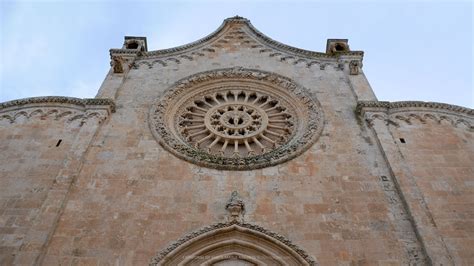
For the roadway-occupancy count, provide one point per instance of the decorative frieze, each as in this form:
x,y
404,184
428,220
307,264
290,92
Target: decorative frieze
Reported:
x,y
239,30
61,100
57,108
411,112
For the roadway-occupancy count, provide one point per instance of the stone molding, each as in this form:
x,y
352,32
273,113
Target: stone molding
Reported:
x,y
276,238
61,100
265,39
308,125
410,111
130,52
57,107
249,36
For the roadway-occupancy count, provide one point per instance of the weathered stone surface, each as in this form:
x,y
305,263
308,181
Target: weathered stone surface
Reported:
x,y
109,193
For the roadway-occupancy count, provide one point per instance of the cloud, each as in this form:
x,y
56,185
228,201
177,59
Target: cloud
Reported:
x,y
64,45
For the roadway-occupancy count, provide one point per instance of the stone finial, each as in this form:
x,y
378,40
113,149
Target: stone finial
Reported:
x,y
235,206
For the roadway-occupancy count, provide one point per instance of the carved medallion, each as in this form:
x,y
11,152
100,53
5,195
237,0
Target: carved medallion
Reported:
x,y
236,119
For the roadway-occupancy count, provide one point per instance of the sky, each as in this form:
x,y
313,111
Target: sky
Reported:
x,y
413,50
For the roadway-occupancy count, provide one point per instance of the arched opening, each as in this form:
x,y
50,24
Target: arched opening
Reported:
x,y
132,45
233,244
340,47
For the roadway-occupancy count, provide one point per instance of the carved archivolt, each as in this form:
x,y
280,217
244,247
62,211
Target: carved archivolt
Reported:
x,y
56,108
411,112
233,242
236,119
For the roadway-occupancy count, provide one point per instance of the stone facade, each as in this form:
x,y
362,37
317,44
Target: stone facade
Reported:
x,y
235,150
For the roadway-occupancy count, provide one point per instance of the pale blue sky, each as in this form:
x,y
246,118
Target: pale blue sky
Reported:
x,y
413,50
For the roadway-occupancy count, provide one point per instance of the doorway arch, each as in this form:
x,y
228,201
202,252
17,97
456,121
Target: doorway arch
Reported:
x,y
233,243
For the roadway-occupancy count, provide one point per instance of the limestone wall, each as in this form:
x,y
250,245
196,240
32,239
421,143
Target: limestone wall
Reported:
x,y
133,198
39,153
439,152
430,149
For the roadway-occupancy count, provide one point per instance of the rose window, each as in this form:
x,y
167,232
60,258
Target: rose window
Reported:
x,y
236,123
236,119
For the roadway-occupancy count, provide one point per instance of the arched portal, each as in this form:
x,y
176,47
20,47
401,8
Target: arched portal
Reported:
x,y
233,244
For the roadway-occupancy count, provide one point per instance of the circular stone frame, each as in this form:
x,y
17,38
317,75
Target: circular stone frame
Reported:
x,y
308,116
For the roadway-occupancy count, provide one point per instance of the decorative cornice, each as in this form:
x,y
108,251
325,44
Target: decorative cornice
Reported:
x,y
84,103
275,236
59,114
256,34
297,51
391,106
189,46
246,36
130,52
409,111
58,108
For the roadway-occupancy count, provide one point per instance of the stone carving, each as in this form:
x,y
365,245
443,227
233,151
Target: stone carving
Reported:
x,y
59,100
53,113
126,52
133,48
117,64
381,105
272,240
409,111
240,31
57,108
236,207
235,124
354,67
236,119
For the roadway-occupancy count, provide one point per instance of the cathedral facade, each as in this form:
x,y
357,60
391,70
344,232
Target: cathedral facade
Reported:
x,y
235,150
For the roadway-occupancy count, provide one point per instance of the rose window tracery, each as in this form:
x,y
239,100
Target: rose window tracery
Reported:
x,y
236,119
236,123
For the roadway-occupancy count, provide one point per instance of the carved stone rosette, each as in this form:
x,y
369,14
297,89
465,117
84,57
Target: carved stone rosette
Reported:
x,y
236,119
